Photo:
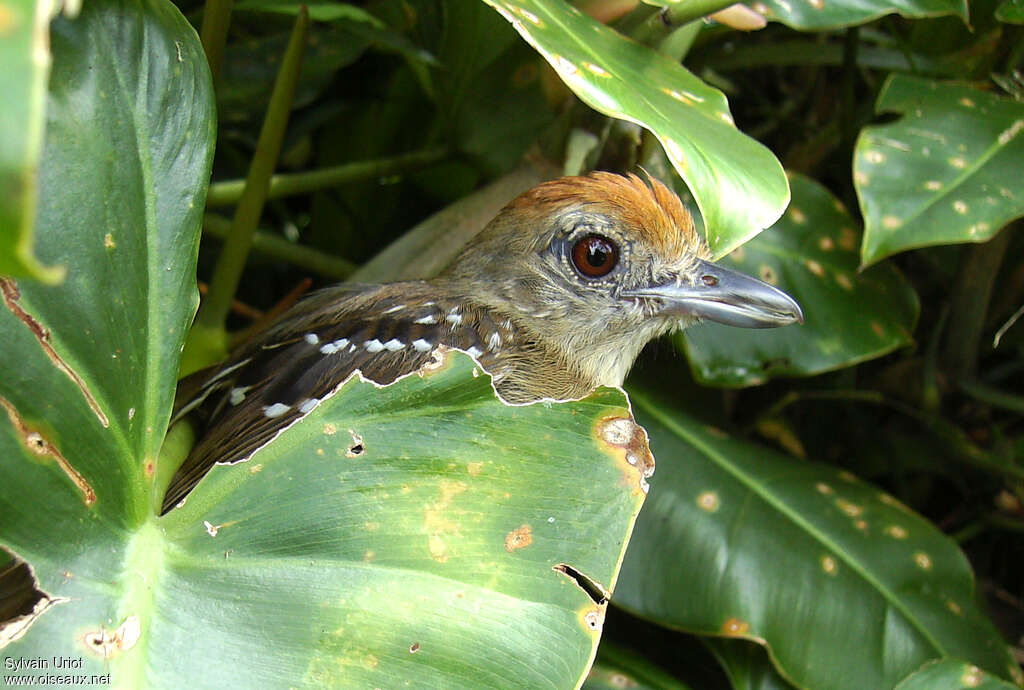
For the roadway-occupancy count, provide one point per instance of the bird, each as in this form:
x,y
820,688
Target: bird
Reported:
x,y
555,297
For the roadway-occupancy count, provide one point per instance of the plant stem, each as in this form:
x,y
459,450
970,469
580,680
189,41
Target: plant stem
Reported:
x,y
228,271
268,244
969,306
230,191
991,395
214,33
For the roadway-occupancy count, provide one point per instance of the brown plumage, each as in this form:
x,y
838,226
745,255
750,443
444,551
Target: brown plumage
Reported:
x,y
555,297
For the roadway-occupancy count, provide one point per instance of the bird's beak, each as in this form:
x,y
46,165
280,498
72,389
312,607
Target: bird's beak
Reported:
x,y
725,296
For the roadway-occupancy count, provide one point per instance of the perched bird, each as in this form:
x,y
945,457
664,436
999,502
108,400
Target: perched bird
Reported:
x,y
555,297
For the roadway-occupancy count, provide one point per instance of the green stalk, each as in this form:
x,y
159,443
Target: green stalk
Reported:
x,y
276,247
231,261
230,191
214,33
969,307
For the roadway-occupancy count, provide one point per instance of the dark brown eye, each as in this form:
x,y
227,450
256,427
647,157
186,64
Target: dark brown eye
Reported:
x,y
595,256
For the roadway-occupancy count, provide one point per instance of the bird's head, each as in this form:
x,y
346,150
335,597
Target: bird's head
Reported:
x,y
597,266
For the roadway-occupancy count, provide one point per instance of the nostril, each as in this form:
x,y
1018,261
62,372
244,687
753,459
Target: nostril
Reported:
x,y
709,280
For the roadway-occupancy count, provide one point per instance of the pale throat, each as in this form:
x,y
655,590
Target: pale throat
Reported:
x,y
608,363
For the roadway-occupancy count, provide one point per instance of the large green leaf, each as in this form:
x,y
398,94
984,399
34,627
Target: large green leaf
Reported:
x,y
738,184
25,57
849,316
825,571
89,367
416,531
816,15
945,172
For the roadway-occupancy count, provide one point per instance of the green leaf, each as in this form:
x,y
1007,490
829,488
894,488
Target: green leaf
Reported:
x,y
23,40
626,80
952,674
849,316
414,531
817,15
123,180
617,667
825,571
1011,12
747,664
943,173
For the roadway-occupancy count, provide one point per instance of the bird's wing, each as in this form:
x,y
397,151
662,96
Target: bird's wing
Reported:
x,y
268,385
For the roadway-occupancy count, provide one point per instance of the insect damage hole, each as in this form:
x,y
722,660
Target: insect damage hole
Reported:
x,y
22,601
357,448
593,589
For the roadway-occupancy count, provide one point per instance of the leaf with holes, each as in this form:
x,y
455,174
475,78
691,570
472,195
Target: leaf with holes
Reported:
x,y
952,674
825,571
849,316
23,83
943,173
818,15
421,530
626,80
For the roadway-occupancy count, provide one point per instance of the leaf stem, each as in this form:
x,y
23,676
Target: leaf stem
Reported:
x,y
214,33
273,246
230,191
228,271
971,296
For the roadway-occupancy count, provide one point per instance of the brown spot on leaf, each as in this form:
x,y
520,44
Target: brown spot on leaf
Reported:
x,y
414,647
357,448
107,644
628,440
11,295
519,538
39,445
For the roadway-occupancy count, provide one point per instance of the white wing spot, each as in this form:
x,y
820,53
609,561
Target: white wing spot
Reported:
x,y
421,345
331,348
392,310
308,404
394,344
426,320
374,345
312,338
237,395
475,351
275,410
453,318
494,342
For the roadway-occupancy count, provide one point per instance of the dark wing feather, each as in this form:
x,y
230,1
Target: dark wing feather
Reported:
x,y
269,384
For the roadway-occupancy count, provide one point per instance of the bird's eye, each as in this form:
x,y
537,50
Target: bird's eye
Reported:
x,y
595,256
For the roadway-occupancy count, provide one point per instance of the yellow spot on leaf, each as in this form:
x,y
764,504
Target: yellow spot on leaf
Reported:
x,y
967,102
829,565
823,488
877,329
108,241
767,274
960,207
474,468
734,627
891,222
708,500
851,509
826,243
972,677
957,162
815,268
923,560
874,157
797,216
737,254
596,69
933,185
896,532
330,429
844,281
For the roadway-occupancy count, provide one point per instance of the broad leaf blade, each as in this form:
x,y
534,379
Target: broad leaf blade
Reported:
x,y
626,80
89,367
827,572
817,15
411,531
849,316
943,173
23,28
